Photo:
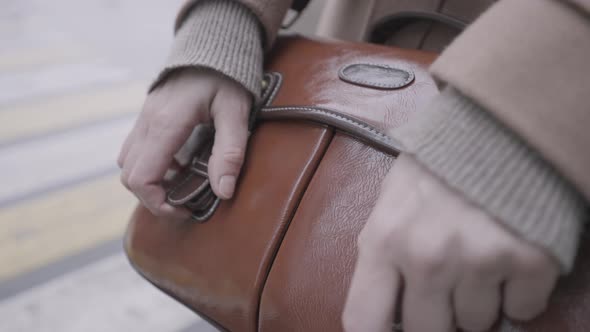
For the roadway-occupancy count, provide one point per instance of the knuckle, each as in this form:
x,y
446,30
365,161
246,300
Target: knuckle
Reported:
x,y
486,265
121,158
161,122
376,239
534,264
168,122
429,260
234,155
135,184
428,264
526,310
123,179
488,261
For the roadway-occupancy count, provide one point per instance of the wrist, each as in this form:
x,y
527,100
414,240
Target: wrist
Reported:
x,y
491,166
223,36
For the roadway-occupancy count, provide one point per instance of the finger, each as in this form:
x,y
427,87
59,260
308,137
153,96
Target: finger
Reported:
x,y
426,309
126,146
173,170
477,304
374,289
230,117
154,157
133,148
527,293
194,144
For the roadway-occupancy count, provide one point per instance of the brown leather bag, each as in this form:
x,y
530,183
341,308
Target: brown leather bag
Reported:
x,y
279,255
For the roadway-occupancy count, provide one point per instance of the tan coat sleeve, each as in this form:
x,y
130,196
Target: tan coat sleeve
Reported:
x,y
270,13
528,63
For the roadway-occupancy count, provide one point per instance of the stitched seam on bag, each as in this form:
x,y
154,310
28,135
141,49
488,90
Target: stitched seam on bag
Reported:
x,y
266,93
348,78
360,125
275,80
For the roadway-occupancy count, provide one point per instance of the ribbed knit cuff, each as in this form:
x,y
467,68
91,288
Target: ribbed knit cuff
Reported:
x,y
478,156
222,35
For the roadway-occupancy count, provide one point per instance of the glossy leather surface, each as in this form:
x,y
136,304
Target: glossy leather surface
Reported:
x,y
310,77
278,256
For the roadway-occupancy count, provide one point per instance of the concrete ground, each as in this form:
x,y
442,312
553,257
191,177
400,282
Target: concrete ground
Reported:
x,y
73,75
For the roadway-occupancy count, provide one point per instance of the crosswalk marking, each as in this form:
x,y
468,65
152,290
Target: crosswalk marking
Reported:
x,y
22,85
31,58
46,163
73,76
104,296
38,232
67,111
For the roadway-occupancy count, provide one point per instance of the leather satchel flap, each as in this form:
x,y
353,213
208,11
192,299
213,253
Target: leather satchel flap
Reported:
x,y
365,109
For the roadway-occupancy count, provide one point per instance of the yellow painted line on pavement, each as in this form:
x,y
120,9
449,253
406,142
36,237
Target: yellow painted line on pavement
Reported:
x,y
24,59
38,232
67,111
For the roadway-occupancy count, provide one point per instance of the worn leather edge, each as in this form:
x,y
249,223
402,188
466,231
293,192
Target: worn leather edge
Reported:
x,y
275,81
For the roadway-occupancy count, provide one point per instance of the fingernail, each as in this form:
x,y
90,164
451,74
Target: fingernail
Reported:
x,y
227,185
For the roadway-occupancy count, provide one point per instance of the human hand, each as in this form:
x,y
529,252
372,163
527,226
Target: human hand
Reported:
x,y
169,116
458,267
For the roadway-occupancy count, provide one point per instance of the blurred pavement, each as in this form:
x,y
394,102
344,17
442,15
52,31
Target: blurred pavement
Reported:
x,y
73,75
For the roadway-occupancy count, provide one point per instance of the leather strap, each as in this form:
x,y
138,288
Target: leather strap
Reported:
x,y
341,122
299,5
386,26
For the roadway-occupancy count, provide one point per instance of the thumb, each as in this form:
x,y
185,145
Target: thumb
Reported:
x,y
230,117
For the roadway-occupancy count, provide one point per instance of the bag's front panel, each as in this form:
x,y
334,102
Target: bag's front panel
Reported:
x,y
308,281
218,268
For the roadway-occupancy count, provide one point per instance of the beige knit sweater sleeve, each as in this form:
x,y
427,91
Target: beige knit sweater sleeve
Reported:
x,y
221,35
455,138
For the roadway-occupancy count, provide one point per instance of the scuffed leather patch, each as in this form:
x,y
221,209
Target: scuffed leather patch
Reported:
x,y
376,76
